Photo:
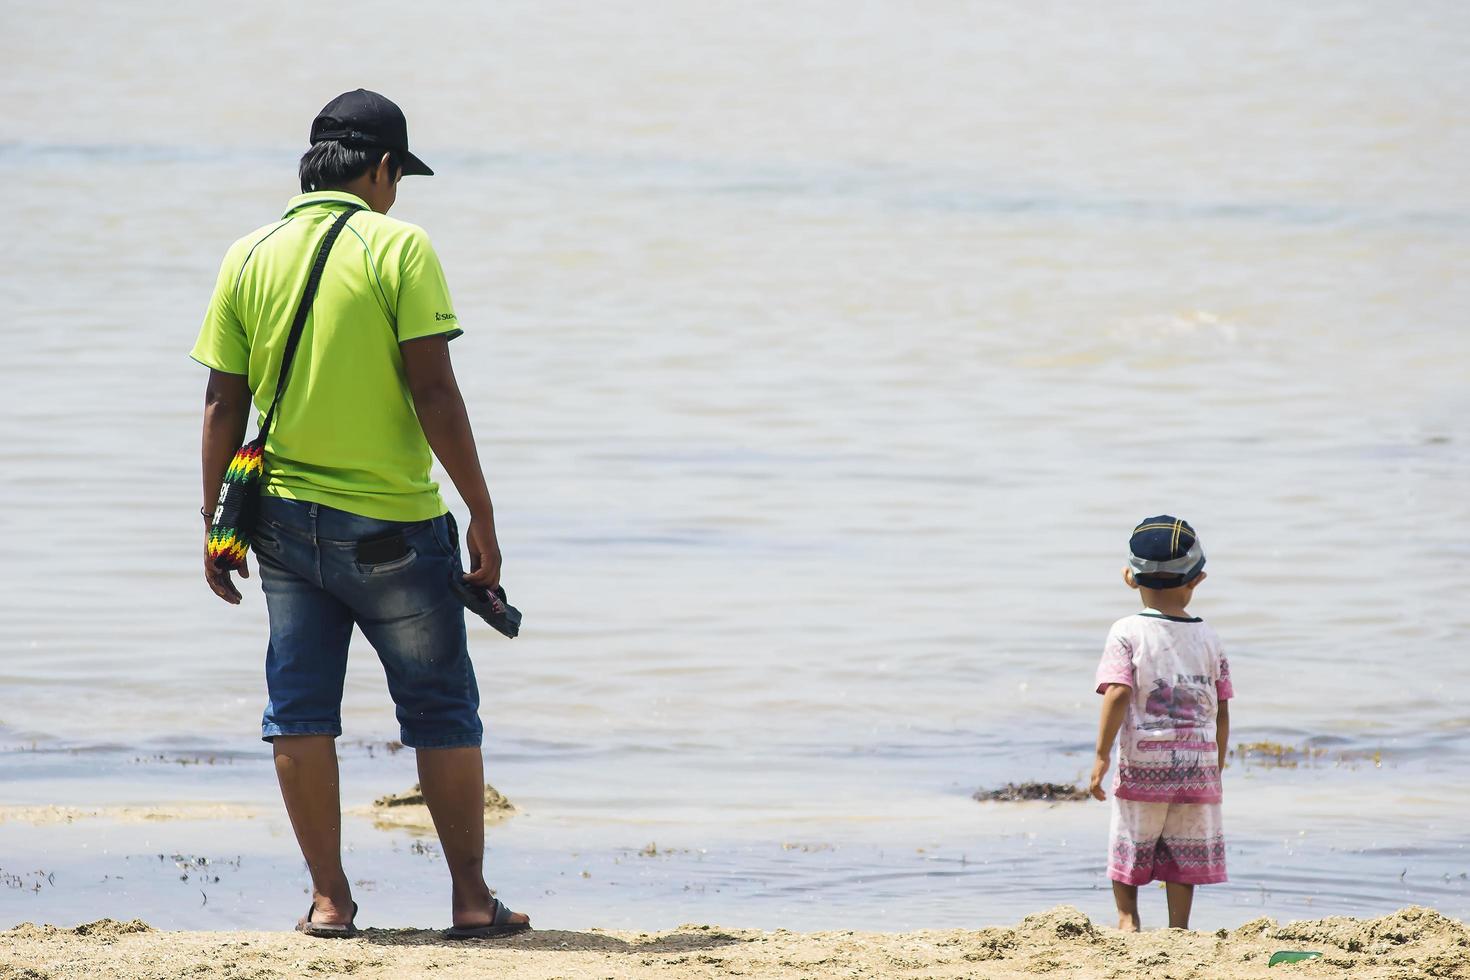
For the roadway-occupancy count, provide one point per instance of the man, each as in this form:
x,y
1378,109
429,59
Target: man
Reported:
x,y
352,530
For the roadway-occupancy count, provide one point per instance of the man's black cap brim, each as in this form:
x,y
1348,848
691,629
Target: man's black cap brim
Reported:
x,y
414,167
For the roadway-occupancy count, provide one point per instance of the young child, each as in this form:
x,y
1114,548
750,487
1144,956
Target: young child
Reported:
x,y
1165,684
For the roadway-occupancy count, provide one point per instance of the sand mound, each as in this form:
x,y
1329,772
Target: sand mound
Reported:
x,y
111,928
1062,922
407,811
494,800
1413,926
23,973
101,929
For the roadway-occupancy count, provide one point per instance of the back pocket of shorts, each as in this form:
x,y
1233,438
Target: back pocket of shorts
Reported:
x,y
384,554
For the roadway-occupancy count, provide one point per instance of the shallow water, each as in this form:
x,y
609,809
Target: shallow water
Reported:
x,y
822,358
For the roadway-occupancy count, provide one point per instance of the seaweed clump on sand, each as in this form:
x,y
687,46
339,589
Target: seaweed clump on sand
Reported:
x,y
1275,755
494,800
1020,792
111,930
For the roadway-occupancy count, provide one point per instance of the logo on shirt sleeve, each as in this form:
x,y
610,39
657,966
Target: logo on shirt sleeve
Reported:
x,y
445,316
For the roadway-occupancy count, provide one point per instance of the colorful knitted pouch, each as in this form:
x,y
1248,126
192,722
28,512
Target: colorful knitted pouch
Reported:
x,y
239,497
233,527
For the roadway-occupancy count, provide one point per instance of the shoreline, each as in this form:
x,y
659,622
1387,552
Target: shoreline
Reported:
x,y
186,865
1412,942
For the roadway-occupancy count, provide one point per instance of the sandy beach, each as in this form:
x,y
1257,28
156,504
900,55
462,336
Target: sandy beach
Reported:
x,y
1413,942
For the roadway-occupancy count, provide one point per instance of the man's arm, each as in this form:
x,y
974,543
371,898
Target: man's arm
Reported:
x,y
1222,730
446,425
226,413
1114,710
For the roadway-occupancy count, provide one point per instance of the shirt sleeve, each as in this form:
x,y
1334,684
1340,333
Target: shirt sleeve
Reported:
x,y
222,344
424,308
1224,690
1116,666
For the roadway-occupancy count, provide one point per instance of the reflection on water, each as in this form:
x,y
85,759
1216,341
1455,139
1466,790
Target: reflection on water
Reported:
x,y
819,384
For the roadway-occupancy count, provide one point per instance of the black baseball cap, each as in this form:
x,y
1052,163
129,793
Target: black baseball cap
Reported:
x,y
370,121
1164,553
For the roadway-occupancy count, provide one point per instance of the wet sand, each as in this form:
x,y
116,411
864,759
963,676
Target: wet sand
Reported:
x,y
1413,942
47,814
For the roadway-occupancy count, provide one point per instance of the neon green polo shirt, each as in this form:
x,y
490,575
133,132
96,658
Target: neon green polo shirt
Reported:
x,y
346,434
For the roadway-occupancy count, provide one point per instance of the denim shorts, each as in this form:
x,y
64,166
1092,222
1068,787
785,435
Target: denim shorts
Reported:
x,y
317,586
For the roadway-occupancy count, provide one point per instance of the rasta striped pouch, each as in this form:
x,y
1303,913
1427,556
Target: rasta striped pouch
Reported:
x,y
235,515
239,498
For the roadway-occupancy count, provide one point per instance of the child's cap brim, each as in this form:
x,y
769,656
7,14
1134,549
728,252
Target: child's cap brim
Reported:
x,y
1168,574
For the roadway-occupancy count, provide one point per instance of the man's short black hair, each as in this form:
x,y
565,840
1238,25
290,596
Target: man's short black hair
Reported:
x,y
330,164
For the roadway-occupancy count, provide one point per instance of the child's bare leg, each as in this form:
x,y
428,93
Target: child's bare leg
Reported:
x,y
1126,898
1181,899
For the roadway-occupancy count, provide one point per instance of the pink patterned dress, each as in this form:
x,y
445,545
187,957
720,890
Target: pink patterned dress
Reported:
x,y
1166,793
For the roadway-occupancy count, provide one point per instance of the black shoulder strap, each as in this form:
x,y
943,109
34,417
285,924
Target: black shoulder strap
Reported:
x,y
299,324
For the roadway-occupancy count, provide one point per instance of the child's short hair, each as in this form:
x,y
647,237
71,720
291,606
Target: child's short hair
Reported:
x,y
1164,553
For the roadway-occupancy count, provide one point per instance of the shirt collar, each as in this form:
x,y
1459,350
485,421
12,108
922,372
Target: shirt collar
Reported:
x,y
1152,613
323,197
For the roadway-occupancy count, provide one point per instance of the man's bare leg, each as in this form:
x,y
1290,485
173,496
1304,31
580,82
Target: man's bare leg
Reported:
x,y
1126,898
453,783
1181,900
306,768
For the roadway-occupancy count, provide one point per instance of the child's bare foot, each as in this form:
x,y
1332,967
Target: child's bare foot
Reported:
x,y
1128,923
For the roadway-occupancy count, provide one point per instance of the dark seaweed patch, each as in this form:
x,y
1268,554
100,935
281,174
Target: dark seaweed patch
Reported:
x,y
1018,792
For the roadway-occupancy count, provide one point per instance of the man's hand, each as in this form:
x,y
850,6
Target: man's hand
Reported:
x,y
484,552
1099,770
226,409
220,582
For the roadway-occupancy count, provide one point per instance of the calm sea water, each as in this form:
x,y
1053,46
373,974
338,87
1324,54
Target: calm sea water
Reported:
x,y
822,356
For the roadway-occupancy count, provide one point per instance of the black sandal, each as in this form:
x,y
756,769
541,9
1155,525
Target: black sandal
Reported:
x,y
500,925
328,930
490,605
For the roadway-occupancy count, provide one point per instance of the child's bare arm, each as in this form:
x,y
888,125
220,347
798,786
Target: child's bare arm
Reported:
x,y
1114,710
1222,729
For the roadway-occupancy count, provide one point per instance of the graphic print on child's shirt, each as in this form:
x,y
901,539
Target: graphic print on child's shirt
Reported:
x,y
1178,674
